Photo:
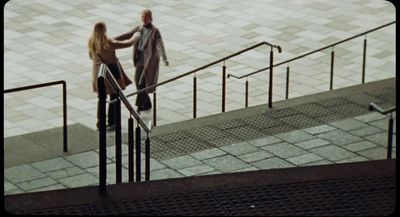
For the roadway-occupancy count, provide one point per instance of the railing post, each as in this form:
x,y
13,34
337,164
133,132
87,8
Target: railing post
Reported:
x,y
332,63
390,137
102,135
194,96
154,109
147,158
65,139
364,60
287,82
130,149
118,141
271,59
138,166
246,104
223,86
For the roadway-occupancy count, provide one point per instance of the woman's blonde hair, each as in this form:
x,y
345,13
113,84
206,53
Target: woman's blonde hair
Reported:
x,y
98,39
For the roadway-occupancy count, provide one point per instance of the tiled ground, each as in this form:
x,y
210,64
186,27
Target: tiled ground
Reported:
x,y
360,138
45,40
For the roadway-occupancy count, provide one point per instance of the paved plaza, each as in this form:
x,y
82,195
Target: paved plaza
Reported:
x,y
246,144
46,40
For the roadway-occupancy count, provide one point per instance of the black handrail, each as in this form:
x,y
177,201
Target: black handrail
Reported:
x,y
314,51
104,76
206,66
124,99
64,85
372,107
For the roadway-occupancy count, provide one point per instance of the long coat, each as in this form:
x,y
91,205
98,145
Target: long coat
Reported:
x,y
153,48
108,56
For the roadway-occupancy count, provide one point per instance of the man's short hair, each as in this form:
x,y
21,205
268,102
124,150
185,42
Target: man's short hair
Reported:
x,y
148,13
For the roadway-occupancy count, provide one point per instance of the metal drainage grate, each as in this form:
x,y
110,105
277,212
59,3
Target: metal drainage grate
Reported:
x,y
281,113
189,145
225,141
313,110
373,203
300,121
229,124
364,184
193,204
277,129
174,136
351,109
333,102
207,133
261,121
244,133
333,117
363,99
72,210
126,207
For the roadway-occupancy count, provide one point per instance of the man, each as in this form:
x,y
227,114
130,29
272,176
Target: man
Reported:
x,y
146,58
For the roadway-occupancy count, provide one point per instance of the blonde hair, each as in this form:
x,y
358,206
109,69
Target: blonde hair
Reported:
x,y
98,39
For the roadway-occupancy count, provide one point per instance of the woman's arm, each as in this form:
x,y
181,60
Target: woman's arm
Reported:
x,y
125,43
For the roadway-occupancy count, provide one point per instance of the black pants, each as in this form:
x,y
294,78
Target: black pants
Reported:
x,y
111,109
142,99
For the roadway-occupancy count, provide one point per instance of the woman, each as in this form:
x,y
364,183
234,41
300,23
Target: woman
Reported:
x,y
102,50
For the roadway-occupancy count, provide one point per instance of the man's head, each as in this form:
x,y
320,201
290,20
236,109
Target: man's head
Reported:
x,y
146,16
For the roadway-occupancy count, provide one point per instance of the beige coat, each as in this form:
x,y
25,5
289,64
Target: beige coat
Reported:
x,y
153,48
108,56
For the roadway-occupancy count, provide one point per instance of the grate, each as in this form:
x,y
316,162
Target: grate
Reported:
x,y
313,110
174,136
161,150
363,99
244,133
72,210
198,204
259,208
310,197
373,203
224,141
351,109
229,124
207,133
261,121
189,145
333,117
333,102
364,184
300,121
133,207
386,94
281,113
243,195
276,130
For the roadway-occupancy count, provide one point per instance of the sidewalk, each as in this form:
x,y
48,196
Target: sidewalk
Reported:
x,y
239,144
45,40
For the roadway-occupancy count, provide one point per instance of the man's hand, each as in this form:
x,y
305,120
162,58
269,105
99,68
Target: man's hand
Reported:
x,y
166,62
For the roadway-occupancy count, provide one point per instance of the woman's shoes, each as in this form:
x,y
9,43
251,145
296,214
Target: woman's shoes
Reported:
x,y
109,127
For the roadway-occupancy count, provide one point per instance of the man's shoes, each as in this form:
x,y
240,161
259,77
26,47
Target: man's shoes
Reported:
x,y
111,127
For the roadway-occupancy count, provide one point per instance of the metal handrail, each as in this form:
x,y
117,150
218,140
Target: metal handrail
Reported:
x,y
372,107
206,66
103,73
314,51
64,84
